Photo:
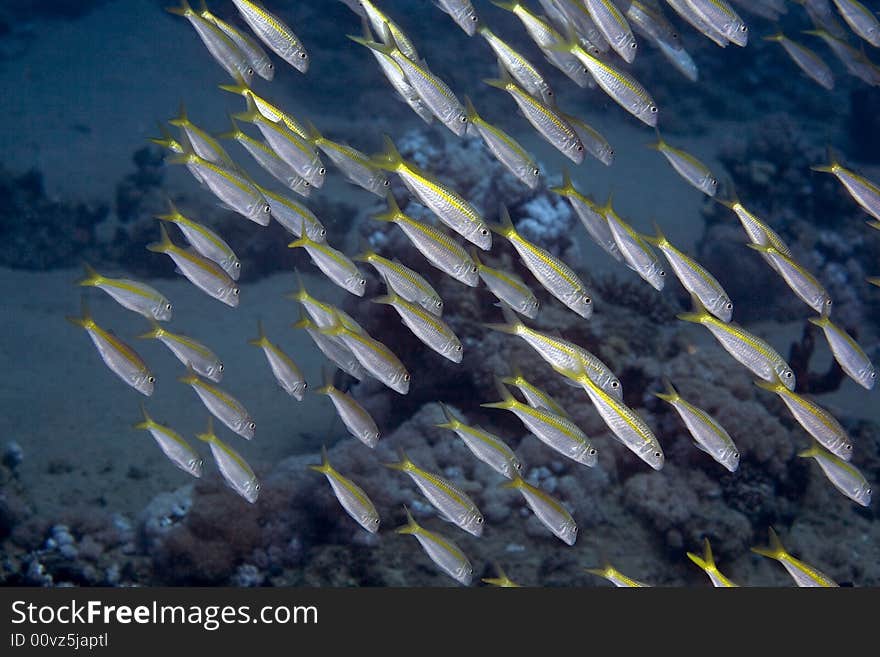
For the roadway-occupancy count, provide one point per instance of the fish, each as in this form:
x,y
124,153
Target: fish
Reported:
x,y
441,251
272,112
863,191
324,315
377,20
636,253
590,214
487,447
376,358
131,294
202,143
286,372
122,360
172,445
546,119
855,61
535,397
694,277
558,278
722,17
592,139
447,204
237,474
750,350
273,32
614,28
815,420
442,551
337,266
355,417
427,327
758,231
351,496
807,288
521,69
502,581
462,12
404,281
616,577
222,405
687,12
681,60
709,435
204,240
205,274
250,47
843,475
860,19
188,351
508,287
451,502
223,49
333,349
688,167
292,215
807,60
550,511
707,563
803,574
556,431
436,94
505,149
848,354
575,14
354,165
649,20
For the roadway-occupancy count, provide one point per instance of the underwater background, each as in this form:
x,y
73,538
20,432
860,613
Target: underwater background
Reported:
x,y
85,499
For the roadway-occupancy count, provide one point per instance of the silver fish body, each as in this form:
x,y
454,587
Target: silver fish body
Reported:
x,y
275,34
355,418
843,476
223,406
848,354
428,328
550,511
236,472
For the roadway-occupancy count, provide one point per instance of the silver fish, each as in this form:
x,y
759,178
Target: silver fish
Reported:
x,y
548,510
802,283
860,19
222,48
333,349
189,352
462,12
428,328
614,27
376,358
526,75
688,167
354,416
808,61
274,33
636,253
335,264
590,214
236,472
205,241
286,372
442,551
487,447
722,17
509,288
133,295
851,358
351,496
222,405
844,476
292,215
404,281
172,445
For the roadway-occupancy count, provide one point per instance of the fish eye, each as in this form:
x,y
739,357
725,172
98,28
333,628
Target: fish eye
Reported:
x,y
474,269
736,455
615,384
873,375
479,519
588,300
385,183
483,231
743,28
458,347
653,109
473,17
536,171
302,55
662,273
322,171
220,367
235,291
151,379
323,232
167,306
236,265
728,305
848,448
439,304
712,181
305,384
306,183
252,425
788,375
362,282
592,451
549,92
675,35
828,302
632,45
658,454
270,66
579,148
406,377
375,521
250,71
257,486
267,209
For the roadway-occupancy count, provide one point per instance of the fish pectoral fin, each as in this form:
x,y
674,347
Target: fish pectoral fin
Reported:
x,y
702,448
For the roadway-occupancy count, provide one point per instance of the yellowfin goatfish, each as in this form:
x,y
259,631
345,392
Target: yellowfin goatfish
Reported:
x,y
688,167
550,511
624,422
556,431
848,354
354,165
694,277
684,9
822,16
844,476
808,61
443,201
335,264
636,253
855,61
404,281
249,46
271,112
614,27
487,447
680,59
205,274
802,573
526,75
647,19
222,48
131,294
285,370
376,358
333,349
351,496
502,580
188,351
802,283
817,421
709,436
544,118
707,563
590,214
722,17
269,161
593,140
172,445
274,33
442,551
558,278
616,577
205,241
505,149
863,191
323,314
747,348
292,215
237,474
122,360
860,19
203,144
354,416
453,503
377,19
535,397
428,328
462,12
222,405
233,188
443,252
509,288
757,230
